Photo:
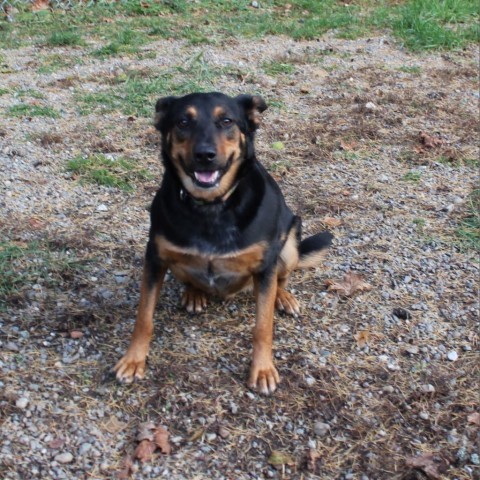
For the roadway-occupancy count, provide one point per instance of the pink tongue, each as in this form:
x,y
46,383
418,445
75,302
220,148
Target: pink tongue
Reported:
x,y
206,177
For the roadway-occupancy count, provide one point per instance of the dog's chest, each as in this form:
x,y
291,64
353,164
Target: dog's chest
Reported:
x,y
221,274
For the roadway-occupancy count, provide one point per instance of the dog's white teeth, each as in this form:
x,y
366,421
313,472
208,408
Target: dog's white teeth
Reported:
x,y
207,177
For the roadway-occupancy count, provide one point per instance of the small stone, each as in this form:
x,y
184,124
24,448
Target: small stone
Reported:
x,y
84,448
234,408
210,437
321,429
467,348
427,388
424,415
22,403
393,367
452,355
475,458
13,347
370,107
65,457
413,349
462,454
255,4
102,208
309,381
388,389
223,432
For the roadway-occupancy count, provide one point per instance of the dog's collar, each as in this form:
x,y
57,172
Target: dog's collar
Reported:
x,y
184,196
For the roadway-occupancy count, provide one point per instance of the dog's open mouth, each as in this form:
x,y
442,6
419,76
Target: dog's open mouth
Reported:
x,y
207,179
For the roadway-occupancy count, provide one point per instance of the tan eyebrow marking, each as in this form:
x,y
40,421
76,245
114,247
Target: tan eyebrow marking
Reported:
x,y
192,112
218,112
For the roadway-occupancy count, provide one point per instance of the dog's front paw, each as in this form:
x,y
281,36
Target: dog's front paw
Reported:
x,y
264,377
194,300
286,302
131,366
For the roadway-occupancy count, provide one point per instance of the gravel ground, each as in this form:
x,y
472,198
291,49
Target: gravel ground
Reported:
x,y
369,380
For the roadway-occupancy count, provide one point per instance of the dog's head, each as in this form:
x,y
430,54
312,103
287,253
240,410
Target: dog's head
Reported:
x,y
206,137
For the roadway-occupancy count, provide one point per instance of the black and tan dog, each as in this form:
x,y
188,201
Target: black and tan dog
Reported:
x,y
220,223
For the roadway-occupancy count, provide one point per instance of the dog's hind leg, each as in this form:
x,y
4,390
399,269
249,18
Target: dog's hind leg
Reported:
x,y
289,257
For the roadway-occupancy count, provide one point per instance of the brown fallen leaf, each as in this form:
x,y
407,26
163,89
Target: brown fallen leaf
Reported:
x,y
428,141
38,5
113,425
347,146
351,284
35,223
127,468
146,431
144,450
474,418
432,465
312,458
331,222
161,440
196,435
278,459
362,337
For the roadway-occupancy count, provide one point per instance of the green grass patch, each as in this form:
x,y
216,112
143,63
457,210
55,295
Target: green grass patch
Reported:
x,y
412,176
64,38
117,173
437,24
468,231
27,110
278,68
24,264
412,70
418,24
126,41
135,94
29,93
459,162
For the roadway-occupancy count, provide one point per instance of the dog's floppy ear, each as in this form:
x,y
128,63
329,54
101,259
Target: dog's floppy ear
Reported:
x,y
161,108
253,106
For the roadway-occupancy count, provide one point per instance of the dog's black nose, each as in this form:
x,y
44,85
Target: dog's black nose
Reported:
x,y
205,154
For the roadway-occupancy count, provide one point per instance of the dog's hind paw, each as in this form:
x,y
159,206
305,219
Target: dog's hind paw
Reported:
x,y
286,302
194,300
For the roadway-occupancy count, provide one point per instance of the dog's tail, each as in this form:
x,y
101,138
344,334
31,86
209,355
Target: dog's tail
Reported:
x,y
312,249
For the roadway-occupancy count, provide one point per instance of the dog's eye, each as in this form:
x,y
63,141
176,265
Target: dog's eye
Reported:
x,y
183,123
226,122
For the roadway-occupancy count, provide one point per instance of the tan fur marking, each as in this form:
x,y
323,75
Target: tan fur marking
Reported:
x,y
218,112
312,260
192,267
289,254
192,112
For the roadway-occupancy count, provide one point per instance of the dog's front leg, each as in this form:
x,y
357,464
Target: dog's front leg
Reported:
x,y
263,374
132,364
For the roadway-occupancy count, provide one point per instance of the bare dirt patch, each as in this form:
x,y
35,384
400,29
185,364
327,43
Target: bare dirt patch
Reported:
x,y
346,123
